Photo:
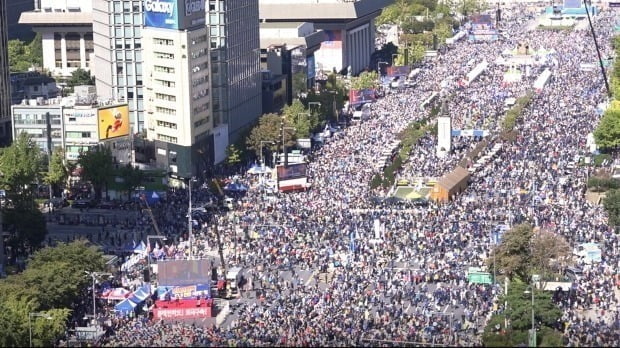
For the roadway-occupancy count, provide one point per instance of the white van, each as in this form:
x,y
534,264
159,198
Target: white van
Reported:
x,y
233,277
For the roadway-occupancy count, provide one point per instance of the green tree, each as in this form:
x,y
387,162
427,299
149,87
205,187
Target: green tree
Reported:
x,y
513,255
35,50
20,167
300,83
301,118
233,155
80,77
550,253
57,173
132,178
27,228
268,129
97,166
365,80
18,57
607,134
519,311
612,206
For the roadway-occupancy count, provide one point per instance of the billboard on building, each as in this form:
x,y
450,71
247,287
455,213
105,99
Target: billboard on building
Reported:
x,y
113,121
174,14
397,71
361,96
183,272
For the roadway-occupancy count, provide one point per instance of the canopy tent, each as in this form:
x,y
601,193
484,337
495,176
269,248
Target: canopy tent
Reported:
x,y
235,187
256,169
140,248
116,294
125,306
130,246
142,294
152,197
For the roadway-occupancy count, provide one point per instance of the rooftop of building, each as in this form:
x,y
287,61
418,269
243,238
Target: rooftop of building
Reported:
x,y
41,18
308,10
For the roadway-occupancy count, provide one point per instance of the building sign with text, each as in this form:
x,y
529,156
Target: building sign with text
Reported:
x,y
174,14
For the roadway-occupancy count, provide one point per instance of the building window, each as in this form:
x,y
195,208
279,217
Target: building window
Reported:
x,y
167,138
167,124
163,42
165,111
165,83
163,55
164,69
165,97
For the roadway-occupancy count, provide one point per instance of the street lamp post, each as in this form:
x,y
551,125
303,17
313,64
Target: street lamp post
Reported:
x,y
30,316
532,336
189,217
93,275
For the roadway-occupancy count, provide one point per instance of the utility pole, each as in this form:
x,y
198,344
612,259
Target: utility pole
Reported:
x,y
598,50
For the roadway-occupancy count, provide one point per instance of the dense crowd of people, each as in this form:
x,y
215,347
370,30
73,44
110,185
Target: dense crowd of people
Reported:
x,y
399,273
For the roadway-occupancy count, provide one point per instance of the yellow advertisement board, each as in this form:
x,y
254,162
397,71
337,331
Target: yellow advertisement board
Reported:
x,y
113,122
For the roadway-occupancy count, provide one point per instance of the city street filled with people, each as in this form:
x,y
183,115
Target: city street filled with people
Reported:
x,y
333,266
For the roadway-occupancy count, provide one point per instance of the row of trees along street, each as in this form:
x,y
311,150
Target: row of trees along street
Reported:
x,y
24,167
423,25
51,286
524,252
607,138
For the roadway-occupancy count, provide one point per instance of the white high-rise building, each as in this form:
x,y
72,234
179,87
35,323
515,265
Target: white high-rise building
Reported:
x,y
178,82
66,31
117,27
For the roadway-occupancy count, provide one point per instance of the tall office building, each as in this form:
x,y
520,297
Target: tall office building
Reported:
x,y
117,39
235,63
178,80
66,32
5,85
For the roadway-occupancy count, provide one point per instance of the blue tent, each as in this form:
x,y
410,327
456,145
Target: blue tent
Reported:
x,y
141,294
130,246
140,248
152,197
125,306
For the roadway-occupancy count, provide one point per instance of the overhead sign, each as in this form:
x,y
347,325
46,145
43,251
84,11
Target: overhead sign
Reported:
x,y
480,278
174,14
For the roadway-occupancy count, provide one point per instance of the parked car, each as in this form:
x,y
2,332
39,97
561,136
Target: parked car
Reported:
x,y
81,203
108,205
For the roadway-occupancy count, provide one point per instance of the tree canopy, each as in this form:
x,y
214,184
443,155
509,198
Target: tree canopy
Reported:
x,y
20,167
365,80
612,206
233,155
132,178
58,172
607,134
97,165
268,129
80,77
50,285
300,118
512,256
23,56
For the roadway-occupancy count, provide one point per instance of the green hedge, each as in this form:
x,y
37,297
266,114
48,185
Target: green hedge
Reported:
x,y
514,114
408,139
603,184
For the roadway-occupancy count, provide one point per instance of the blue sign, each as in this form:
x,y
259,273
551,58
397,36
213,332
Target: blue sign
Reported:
x,y
311,68
161,14
174,14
